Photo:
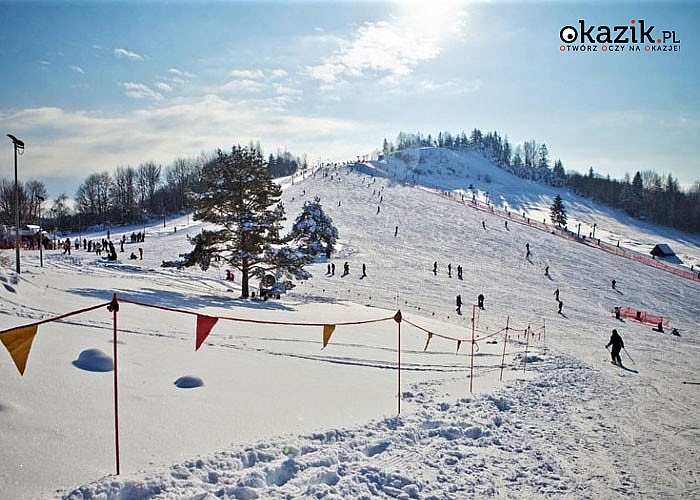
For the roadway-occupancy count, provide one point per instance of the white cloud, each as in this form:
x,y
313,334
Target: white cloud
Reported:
x,y
141,91
248,86
286,90
248,74
66,143
180,73
392,49
164,86
77,69
125,54
257,74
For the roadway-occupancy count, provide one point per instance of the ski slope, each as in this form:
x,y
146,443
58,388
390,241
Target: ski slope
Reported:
x,y
279,417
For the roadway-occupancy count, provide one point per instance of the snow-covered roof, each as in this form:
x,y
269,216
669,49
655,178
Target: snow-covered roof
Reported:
x,y
662,249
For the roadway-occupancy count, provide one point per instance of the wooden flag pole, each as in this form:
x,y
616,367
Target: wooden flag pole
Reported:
x,y
505,342
114,308
471,369
397,318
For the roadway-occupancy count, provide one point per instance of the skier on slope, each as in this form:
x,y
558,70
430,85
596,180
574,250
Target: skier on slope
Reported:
x,y
617,345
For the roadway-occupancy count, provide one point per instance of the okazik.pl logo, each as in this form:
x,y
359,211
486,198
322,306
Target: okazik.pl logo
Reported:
x,y
638,36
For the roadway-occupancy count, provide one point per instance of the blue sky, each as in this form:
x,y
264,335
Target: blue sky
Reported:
x,y
93,85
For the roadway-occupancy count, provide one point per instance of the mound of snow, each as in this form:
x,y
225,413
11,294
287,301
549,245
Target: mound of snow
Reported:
x,y
94,360
188,382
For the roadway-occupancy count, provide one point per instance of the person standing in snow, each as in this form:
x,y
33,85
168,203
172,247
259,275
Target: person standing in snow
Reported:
x,y
435,268
459,304
480,301
364,271
617,345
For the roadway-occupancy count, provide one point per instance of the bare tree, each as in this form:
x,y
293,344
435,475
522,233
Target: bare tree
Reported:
x,y
92,197
35,191
147,181
124,192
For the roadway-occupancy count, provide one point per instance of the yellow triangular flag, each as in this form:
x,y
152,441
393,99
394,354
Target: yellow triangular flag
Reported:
x,y
327,332
18,342
430,336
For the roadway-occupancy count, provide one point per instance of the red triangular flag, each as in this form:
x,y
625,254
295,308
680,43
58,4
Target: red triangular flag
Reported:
x,y
204,326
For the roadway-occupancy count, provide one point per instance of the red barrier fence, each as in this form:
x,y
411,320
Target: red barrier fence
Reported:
x,y
642,316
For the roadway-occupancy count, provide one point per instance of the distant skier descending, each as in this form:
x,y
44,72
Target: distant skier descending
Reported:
x,y
617,345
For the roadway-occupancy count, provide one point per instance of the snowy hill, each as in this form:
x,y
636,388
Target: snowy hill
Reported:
x,y
279,417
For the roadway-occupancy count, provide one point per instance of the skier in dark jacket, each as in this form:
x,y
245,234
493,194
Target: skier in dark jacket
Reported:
x,y
617,345
459,304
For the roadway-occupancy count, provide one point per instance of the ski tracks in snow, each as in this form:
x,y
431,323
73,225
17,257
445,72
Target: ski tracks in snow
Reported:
x,y
495,445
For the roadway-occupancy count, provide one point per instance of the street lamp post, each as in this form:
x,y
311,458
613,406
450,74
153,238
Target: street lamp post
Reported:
x,y
18,146
41,236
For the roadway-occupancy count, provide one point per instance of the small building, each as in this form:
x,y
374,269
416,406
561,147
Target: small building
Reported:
x,y
662,250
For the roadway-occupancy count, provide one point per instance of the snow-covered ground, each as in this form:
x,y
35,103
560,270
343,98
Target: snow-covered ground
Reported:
x,y
279,417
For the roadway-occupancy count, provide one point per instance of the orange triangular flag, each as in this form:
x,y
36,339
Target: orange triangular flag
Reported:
x,y
18,343
327,332
430,336
204,326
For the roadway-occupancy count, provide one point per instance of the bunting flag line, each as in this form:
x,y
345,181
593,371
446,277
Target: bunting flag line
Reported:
x,y
204,326
327,332
18,343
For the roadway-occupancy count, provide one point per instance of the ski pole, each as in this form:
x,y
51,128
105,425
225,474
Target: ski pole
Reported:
x,y
628,355
693,383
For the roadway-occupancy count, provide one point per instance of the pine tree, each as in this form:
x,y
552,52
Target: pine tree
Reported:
x,y
558,212
241,199
313,230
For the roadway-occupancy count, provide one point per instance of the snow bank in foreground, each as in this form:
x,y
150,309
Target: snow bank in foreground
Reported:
x,y
481,446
